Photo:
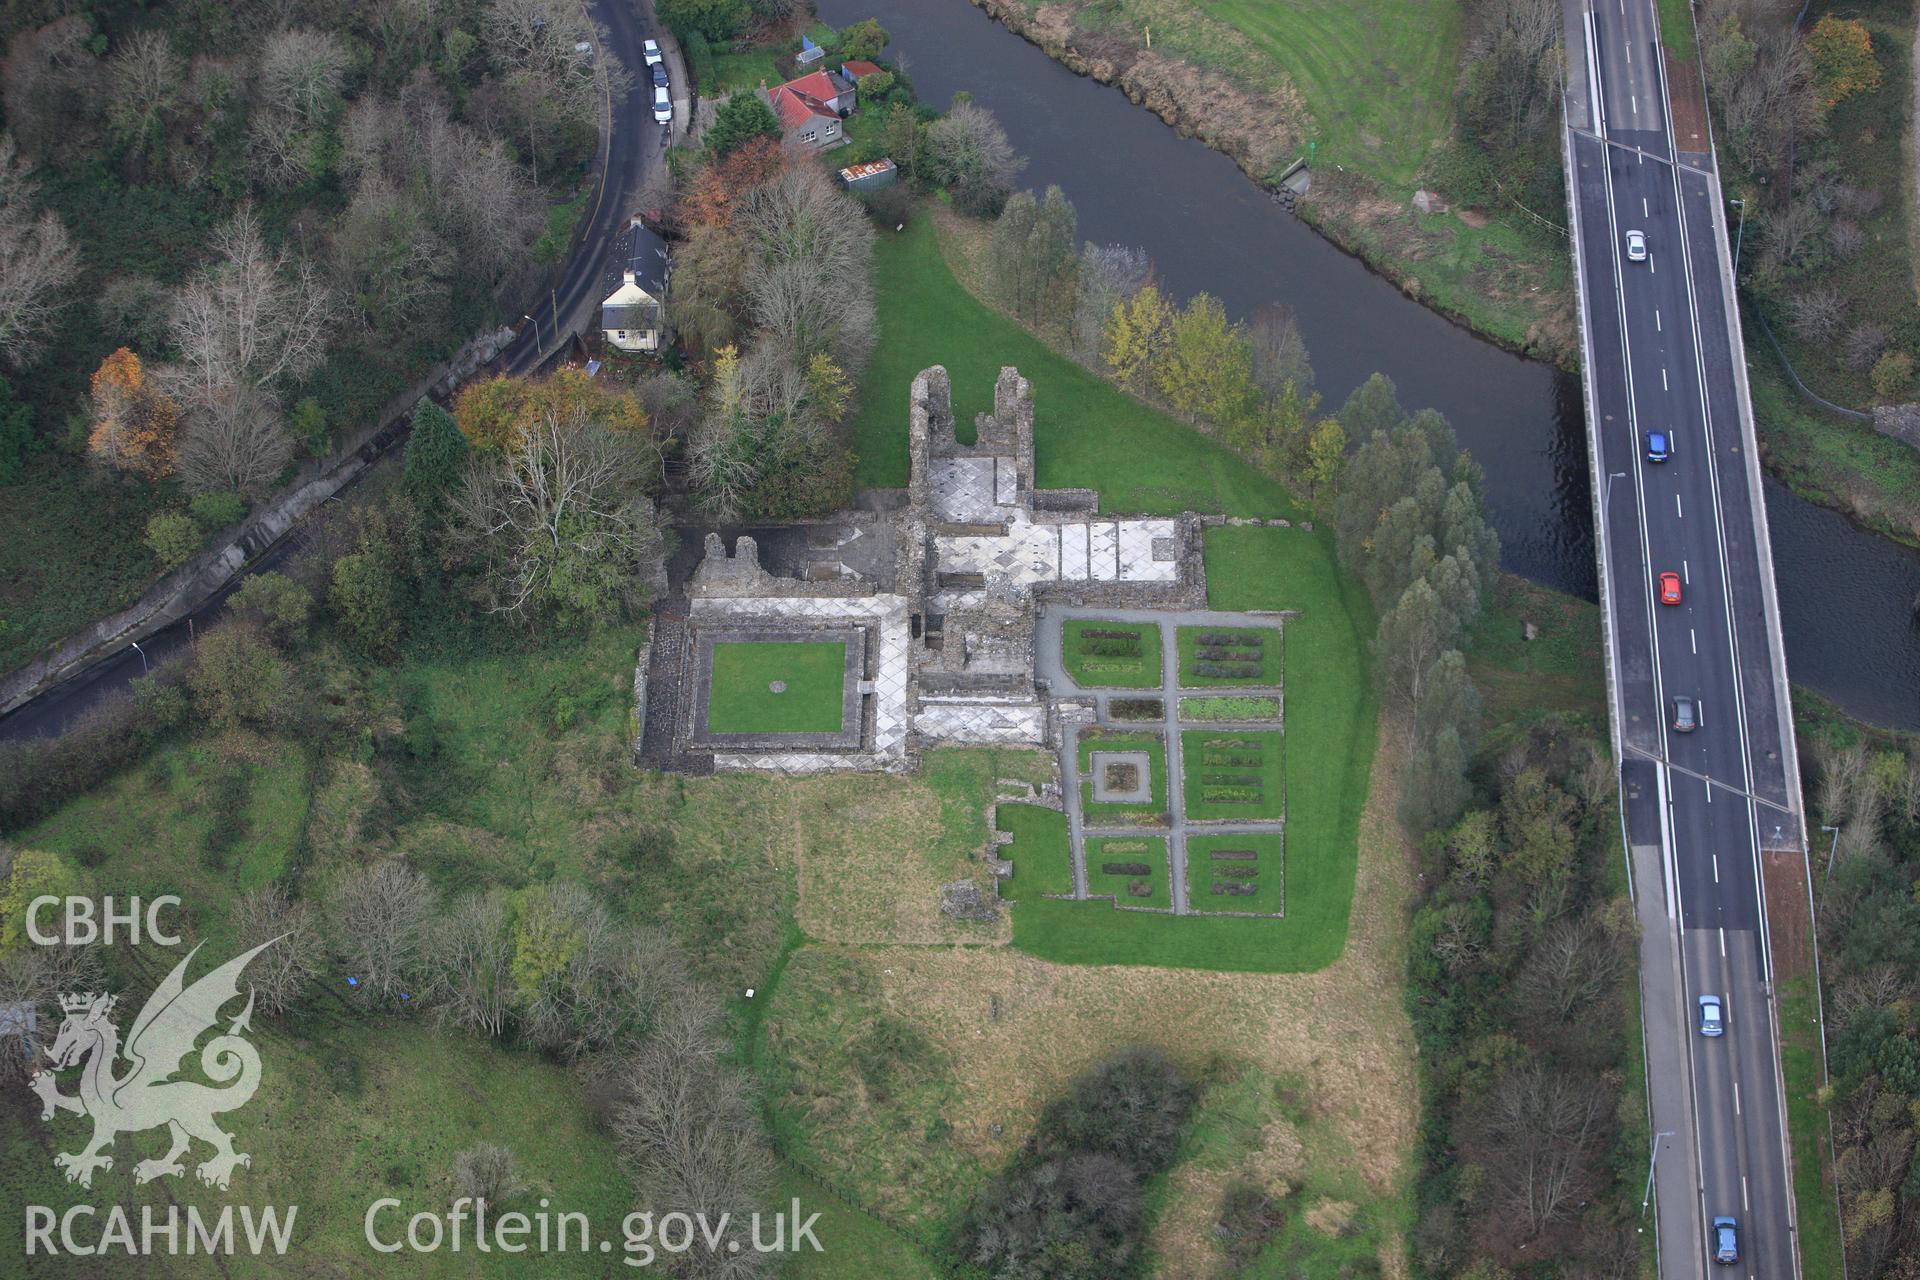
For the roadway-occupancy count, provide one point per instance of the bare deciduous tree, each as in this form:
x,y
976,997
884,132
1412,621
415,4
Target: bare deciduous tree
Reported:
x,y
239,443
1815,314
561,522
144,79
813,289
279,974
256,318
485,1173
1865,343
471,955
301,73
968,144
379,918
1541,1126
38,260
1279,352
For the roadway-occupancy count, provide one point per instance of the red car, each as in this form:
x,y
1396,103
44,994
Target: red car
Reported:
x,y
1669,588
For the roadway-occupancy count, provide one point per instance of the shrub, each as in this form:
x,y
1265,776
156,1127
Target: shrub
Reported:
x,y
1893,376
741,118
173,538
1132,1105
1125,869
1235,855
275,603
889,207
217,509
1865,344
1841,50
307,423
237,680
365,600
1136,708
16,434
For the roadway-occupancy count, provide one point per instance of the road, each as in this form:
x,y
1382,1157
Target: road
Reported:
x,y
630,147
1663,352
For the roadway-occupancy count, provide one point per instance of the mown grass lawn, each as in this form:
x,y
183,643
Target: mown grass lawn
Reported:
x,y
1092,669
1377,76
1807,1126
1042,859
742,698
1086,433
1263,641
1329,762
1233,775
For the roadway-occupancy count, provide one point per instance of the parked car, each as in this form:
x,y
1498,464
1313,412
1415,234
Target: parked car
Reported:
x,y
1712,1016
1686,713
662,105
1726,1241
659,74
652,50
1669,588
1636,246
1659,446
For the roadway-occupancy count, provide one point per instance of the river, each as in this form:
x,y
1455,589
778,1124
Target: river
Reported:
x,y
1845,596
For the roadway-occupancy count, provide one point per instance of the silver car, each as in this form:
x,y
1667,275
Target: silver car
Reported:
x,y
1636,246
662,105
1686,714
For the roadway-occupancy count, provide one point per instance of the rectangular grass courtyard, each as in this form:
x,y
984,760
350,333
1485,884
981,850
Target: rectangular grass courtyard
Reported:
x,y
778,686
1149,812
1103,654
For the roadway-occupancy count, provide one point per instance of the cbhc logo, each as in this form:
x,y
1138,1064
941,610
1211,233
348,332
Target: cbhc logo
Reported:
x,y
83,928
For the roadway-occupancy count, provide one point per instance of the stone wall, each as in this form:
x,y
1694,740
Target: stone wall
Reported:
x,y
1901,421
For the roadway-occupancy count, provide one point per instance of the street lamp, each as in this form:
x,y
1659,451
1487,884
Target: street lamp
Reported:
x,y
143,656
1831,849
1606,498
536,328
1738,236
1648,1197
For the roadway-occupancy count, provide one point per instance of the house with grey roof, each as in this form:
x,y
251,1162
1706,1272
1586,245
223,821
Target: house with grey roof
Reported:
x,y
633,310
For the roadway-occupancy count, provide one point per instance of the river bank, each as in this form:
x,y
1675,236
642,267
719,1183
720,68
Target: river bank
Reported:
x,y
1504,278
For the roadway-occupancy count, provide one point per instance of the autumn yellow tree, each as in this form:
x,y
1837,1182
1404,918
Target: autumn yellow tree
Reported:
x,y
1136,335
1206,372
495,413
135,424
1841,50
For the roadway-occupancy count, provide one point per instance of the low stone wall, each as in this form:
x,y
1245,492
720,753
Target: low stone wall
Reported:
x,y
1900,421
637,726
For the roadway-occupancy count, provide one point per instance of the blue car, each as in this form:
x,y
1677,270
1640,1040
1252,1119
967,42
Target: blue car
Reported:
x,y
1712,1017
1659,447
1726,1241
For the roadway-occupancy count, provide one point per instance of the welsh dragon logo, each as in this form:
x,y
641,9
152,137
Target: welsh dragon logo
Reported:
x,y
145,1096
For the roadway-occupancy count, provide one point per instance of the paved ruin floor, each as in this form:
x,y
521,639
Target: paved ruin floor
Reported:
x,y
1084,710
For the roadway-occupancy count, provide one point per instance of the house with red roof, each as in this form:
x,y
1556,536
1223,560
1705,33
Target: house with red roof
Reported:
x,y
811,108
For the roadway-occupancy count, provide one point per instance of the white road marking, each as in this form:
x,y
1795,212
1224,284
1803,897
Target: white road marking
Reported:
x,y
1634,98
1716,857
1676,508
1644,211
1685,576
1745,1205
1629,49
1656,321
1693,639
1736,1097
1723,943
1663,379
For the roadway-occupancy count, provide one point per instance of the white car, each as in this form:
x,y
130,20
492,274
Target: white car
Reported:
x,y
662,105
1636,246
652,49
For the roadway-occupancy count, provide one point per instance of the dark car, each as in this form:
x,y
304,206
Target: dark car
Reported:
x,y
1686,714
1659,446
660,74
1726,1241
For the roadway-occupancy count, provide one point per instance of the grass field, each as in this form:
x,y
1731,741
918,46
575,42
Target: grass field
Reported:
x,y
1377,76
1563,669
1204,871
1232,646
1086,433
1233,775
1120,655
1130,851
742,699
1329,760
1807,1125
